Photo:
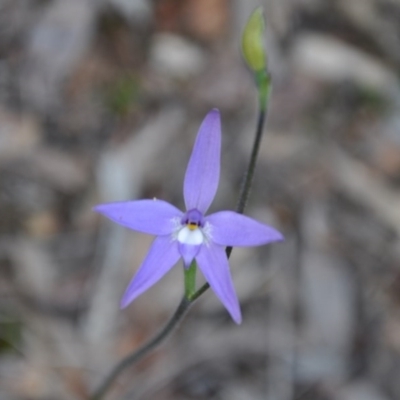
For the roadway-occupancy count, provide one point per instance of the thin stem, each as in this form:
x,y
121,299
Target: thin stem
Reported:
x,y
248,178
187,299
144,350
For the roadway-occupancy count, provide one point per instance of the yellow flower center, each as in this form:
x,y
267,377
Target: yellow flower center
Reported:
x,y
192,226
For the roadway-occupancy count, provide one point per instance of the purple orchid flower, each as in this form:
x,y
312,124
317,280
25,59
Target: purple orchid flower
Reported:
x,y
191,234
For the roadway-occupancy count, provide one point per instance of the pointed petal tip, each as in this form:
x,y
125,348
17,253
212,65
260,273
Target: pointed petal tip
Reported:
x,y
237,318
186,262
124,302
235,313
278,237
273,236
127,298
101,208
97,208
215,115
122,305
214,111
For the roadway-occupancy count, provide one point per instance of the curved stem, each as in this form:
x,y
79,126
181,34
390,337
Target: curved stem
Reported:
x,y
248,178
187,300
144,350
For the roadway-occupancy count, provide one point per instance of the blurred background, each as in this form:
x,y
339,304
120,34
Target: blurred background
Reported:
x,y
100,100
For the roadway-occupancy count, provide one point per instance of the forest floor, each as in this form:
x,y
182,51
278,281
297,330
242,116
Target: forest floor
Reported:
x,y
101,101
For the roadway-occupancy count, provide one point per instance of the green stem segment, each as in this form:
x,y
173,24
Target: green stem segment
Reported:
x,y
264,89
190,280
263,82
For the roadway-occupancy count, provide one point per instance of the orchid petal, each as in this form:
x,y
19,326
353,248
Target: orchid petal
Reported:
x,y
213,262
155,217
188,252
202,174
162,256
229,228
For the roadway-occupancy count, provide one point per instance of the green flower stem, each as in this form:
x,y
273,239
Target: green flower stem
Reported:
x,y
190,280
248,178
263,82
191,295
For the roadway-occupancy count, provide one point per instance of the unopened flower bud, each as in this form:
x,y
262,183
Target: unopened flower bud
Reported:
x,y
252,41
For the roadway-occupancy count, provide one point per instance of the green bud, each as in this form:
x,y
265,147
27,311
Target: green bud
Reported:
x,y
252,41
